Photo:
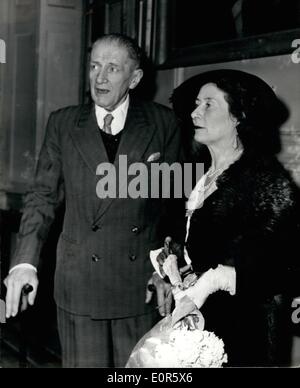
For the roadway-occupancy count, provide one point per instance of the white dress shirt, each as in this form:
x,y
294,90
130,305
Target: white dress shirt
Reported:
x,y
119,114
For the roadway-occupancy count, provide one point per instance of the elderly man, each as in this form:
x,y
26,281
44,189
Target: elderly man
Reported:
x,y
103,251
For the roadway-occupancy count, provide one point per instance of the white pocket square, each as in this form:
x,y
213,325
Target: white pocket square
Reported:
x,y
153,157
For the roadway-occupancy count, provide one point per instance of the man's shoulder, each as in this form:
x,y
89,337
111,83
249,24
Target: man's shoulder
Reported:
x,y
69,116
157,113
72,110
155,106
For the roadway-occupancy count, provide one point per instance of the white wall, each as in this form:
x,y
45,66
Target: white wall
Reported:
x,y
59,50
42,73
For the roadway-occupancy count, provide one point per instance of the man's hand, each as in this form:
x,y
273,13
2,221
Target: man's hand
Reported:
x,y
163,292
14,283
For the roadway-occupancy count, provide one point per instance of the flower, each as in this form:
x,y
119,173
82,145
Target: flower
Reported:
x,y
167,346
189,349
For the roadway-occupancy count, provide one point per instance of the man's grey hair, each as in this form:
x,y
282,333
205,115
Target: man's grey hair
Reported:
x,y
133,49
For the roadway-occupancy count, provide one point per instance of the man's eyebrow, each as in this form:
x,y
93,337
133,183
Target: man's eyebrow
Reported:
x,y
204,98
110,63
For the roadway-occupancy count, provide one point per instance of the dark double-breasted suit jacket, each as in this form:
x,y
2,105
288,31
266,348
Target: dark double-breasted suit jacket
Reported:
x,y
103,251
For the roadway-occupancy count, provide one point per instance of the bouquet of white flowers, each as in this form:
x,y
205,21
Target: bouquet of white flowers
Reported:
x,y
177,347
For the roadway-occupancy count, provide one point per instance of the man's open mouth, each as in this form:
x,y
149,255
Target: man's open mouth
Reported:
x,y
101,91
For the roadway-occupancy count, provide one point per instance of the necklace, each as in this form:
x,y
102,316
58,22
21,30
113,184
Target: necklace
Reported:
x,y
224,166
207,185
210,173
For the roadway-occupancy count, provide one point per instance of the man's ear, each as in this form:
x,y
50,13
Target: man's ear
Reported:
x,y
136,77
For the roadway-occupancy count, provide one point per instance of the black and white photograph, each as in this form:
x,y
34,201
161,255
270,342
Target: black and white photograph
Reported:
x,y
149,186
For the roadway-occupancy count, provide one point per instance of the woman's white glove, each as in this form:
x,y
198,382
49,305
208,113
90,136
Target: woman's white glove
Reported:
x,y
170,268
221,278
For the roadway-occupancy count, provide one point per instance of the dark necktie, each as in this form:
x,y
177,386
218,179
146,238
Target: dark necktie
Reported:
x,y
107,123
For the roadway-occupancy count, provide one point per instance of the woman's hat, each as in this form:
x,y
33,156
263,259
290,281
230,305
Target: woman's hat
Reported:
x,y
264,110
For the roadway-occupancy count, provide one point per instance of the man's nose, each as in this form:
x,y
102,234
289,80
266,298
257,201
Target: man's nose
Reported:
x,y
101,76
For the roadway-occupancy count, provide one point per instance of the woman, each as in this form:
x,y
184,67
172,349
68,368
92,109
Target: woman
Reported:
x,y
242,217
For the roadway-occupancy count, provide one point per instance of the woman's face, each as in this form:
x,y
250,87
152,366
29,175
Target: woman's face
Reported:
x,y
212,120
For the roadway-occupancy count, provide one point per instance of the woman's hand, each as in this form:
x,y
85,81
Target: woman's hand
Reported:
x,y
163,293
221,278
170,268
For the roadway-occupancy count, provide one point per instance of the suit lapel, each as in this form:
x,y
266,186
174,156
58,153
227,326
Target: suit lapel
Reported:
x,y
87,139
137,135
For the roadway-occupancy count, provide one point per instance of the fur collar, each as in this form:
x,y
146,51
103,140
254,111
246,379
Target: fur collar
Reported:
x,y
255,187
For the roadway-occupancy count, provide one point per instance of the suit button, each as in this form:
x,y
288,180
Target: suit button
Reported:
x,y
95,228
96,258
132,257
135,229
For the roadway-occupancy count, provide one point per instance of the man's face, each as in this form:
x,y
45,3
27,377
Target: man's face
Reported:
x,y
112,74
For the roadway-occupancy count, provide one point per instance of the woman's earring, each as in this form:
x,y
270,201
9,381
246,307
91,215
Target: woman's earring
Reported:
x,y
235,144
